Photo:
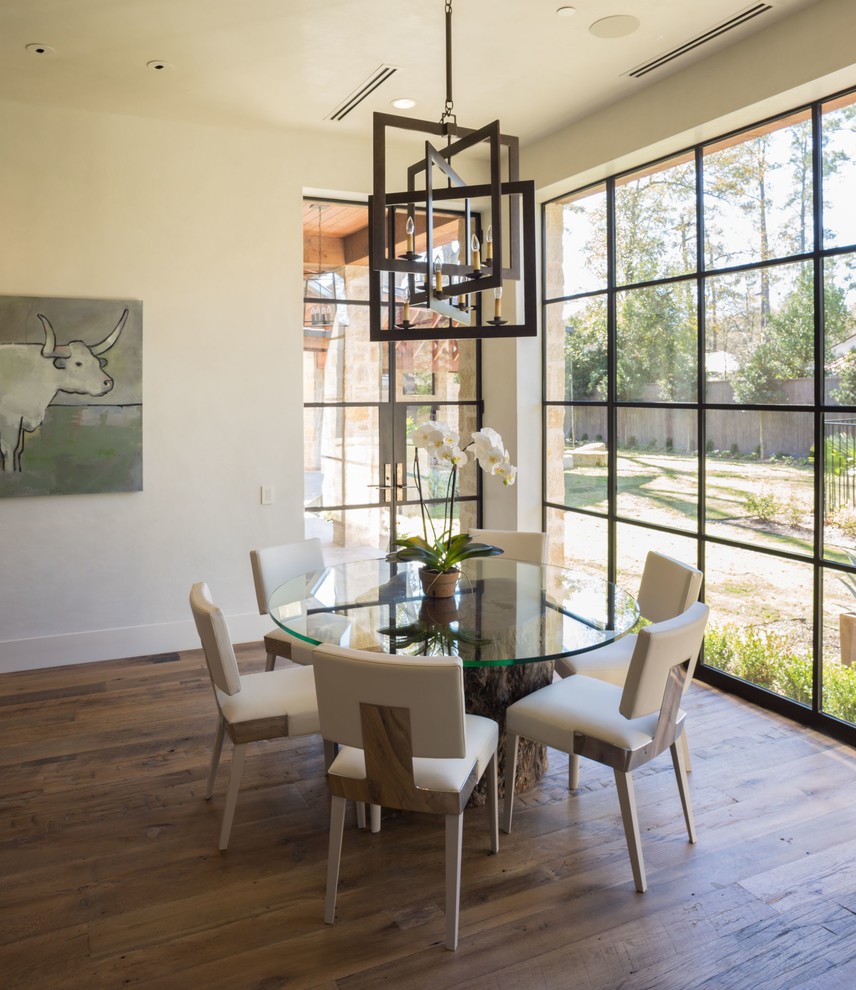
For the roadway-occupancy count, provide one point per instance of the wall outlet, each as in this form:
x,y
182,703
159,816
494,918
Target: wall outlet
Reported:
x,y
267,494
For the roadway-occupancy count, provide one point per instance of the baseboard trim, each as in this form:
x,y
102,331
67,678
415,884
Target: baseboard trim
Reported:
x,y
116,644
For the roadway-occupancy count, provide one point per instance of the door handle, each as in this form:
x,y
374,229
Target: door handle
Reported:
x,y
400,480
386,487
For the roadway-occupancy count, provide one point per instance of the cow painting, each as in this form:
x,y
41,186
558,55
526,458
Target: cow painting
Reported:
x,y
31,375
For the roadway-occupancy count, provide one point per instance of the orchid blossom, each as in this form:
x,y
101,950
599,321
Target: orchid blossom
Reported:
x,y
443,551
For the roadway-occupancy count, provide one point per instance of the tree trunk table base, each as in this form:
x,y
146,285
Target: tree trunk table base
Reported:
x,y
489,691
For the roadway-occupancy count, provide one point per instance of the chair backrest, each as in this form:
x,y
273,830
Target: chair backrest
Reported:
x,y
432,688
273,566
214,634
518,545
659,647
668,587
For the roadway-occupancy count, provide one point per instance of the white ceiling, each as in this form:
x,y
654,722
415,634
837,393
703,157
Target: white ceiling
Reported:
x,y
289,63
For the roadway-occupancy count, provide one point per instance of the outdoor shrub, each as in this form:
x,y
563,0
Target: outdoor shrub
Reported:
x,y
845,520
793,513
584,438
631,442
772,661
670,444
761,657
762,505
734,451
839,691
710,447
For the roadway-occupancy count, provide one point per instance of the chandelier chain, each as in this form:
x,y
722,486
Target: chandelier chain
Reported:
x,y
448,116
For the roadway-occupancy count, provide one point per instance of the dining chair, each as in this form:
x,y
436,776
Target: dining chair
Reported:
x,y
668,588
619,727
406,743
267,705
272,567
516,544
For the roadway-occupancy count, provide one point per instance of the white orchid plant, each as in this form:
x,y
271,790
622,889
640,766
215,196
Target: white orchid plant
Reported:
x,y
441,551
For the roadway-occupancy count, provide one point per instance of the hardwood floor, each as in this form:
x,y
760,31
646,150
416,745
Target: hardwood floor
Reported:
x,y
110,875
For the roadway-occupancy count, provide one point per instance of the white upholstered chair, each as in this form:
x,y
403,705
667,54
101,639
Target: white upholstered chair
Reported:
x,y
668,588
620,727
518,545
406,743
272,567
268,705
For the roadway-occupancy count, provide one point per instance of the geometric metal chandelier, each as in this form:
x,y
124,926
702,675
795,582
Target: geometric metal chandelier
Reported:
x,y
465,293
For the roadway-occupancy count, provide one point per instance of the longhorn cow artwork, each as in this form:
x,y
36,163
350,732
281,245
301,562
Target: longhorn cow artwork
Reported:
x,y
67,424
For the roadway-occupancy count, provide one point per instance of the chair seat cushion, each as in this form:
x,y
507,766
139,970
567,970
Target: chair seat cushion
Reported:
x,y
607,663
274,693
283,644
435,775
578,704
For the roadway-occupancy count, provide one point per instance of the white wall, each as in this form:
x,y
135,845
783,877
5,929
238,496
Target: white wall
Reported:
x,y
203,225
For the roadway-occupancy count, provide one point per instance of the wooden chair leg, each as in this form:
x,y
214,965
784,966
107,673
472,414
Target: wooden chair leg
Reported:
x,y
374,816
511,741
454,843
685,749
493,804
329,753
215,756
239,754
270,661
683,788
573,772
334,855
627,802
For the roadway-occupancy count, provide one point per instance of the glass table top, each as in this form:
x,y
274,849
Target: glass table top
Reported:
x,y
504,611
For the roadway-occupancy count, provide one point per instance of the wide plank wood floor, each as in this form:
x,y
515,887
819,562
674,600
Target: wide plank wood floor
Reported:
x,y
110,875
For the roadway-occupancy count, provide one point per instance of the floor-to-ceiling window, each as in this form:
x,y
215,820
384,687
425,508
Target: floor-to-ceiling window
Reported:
x,y
363,399
700,393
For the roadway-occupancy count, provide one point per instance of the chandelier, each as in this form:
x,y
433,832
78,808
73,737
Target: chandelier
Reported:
x,y
463,291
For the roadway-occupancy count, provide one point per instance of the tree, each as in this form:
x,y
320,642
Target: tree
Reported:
x,y
760,381
846,391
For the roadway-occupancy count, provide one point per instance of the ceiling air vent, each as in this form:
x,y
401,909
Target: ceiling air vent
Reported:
x,y
377,78
715,32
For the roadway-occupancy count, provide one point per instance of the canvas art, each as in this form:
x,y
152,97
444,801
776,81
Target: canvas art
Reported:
x,y
71,396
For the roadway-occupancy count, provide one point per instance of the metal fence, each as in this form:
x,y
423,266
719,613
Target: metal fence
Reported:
x,y
839,463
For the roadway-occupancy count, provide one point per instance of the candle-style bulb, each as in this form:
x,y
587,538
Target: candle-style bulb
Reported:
x,y
438,277
475,249
488,244
410,229
405,316
497,302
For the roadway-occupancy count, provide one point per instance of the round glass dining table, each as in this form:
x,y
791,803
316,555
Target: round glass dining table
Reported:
x,y
508,621
504,612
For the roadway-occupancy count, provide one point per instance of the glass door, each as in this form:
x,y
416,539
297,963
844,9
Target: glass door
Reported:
x,y
363,399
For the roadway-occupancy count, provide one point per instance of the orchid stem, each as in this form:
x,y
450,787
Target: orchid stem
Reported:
x,y
450,499
425,517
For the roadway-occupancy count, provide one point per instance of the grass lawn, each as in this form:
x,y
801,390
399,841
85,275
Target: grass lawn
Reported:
x,y
756,503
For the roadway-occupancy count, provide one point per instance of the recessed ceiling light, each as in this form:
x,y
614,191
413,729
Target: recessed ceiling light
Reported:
x,y
158,65
36,49
617,26
403,103
566,11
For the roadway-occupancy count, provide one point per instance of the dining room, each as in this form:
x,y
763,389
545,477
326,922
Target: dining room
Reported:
x,y
125,178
